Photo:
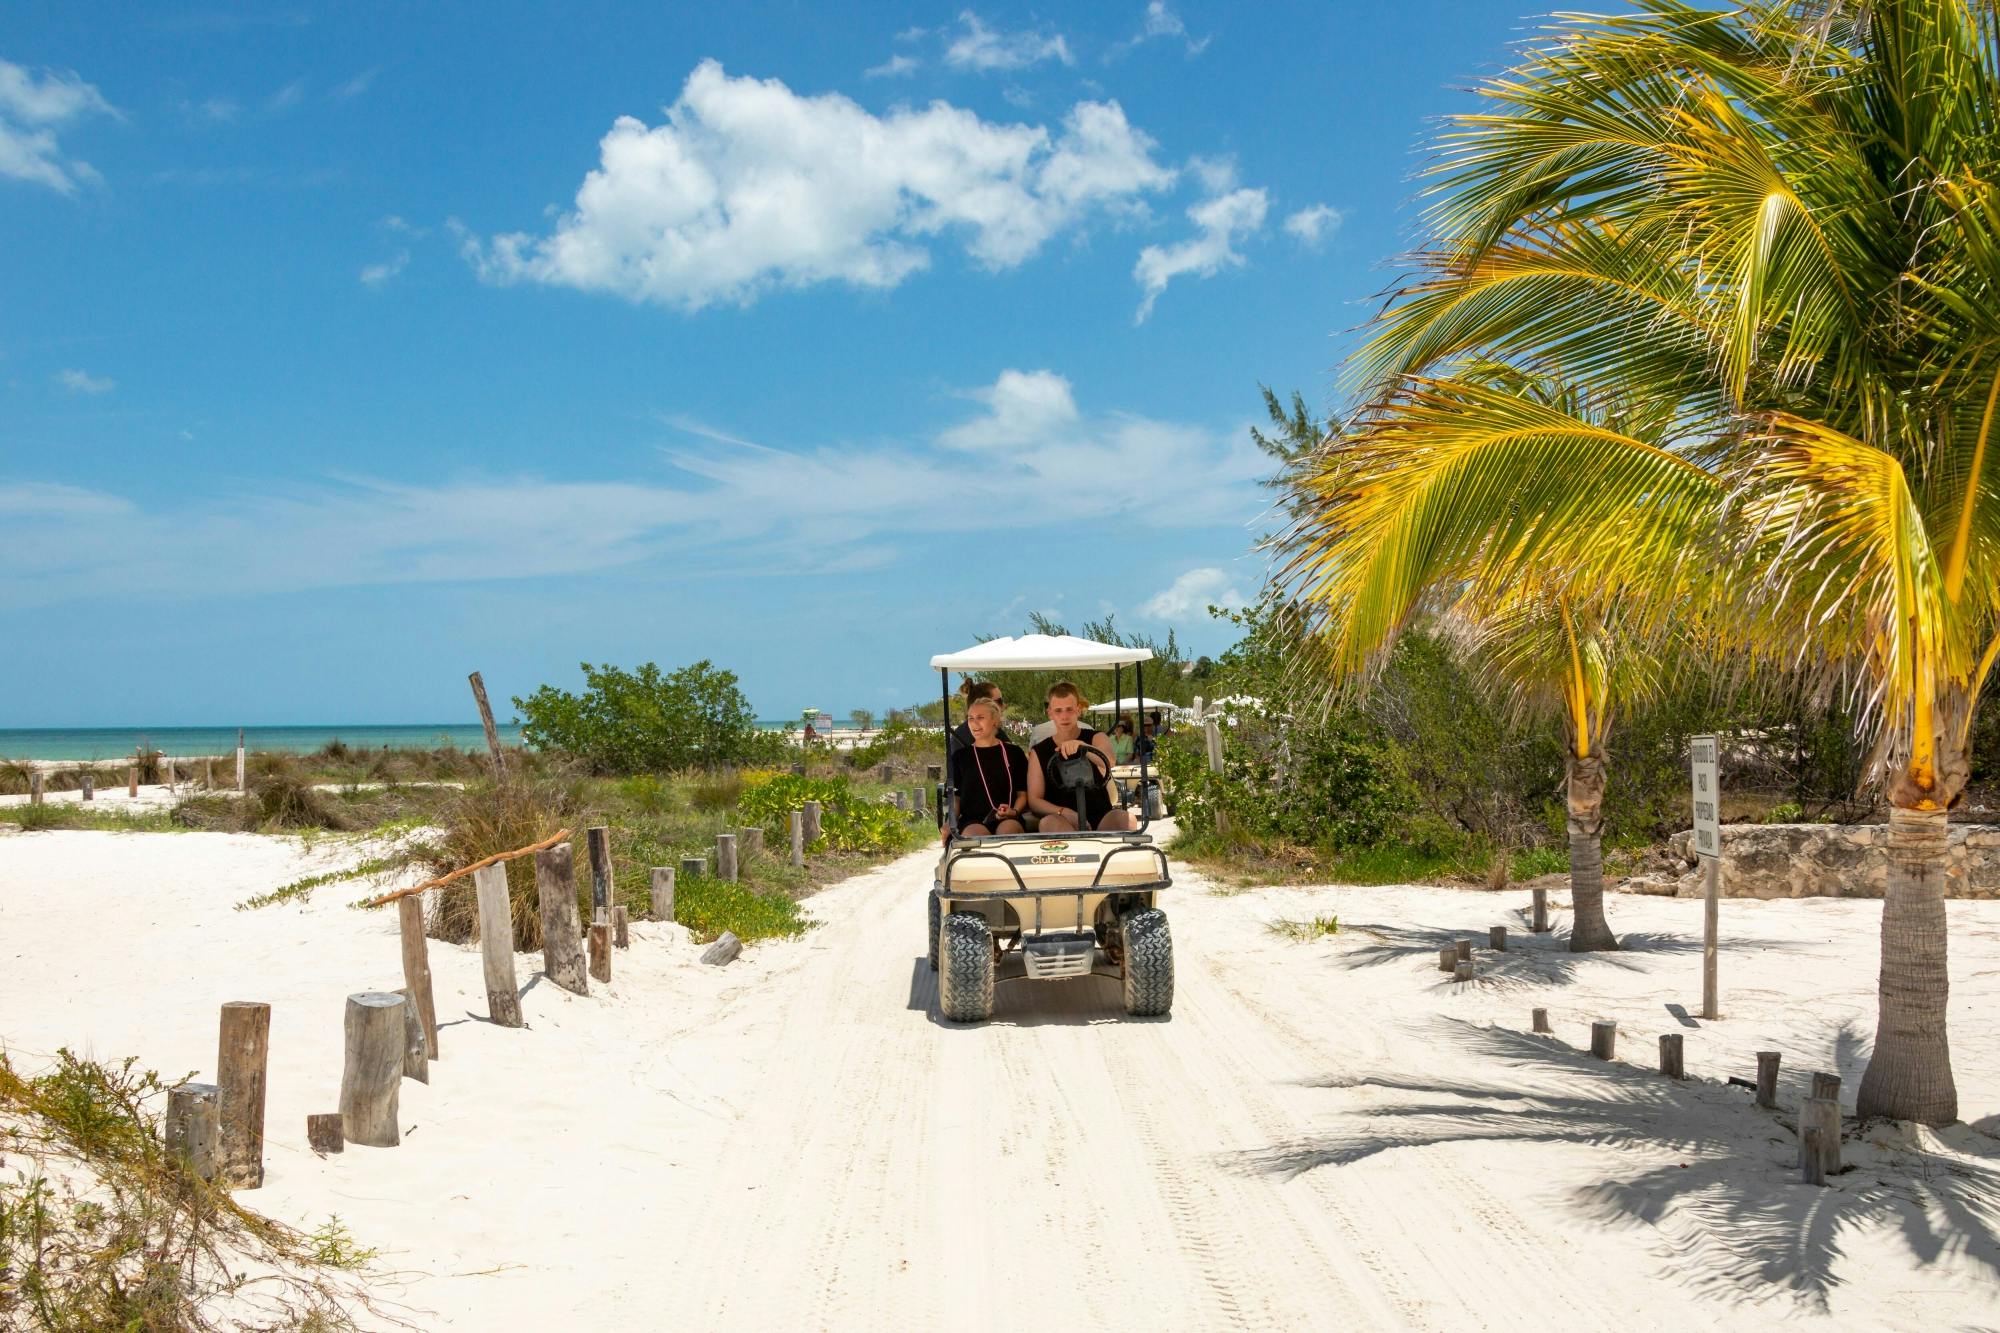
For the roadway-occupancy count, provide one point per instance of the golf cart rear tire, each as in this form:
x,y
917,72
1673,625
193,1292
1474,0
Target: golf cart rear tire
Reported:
x,y
937,923
1149,963
965,969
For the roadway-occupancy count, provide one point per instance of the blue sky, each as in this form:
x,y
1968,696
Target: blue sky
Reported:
x,y
346,349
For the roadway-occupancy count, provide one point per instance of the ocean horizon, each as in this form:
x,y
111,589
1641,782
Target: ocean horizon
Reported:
x,y
81,743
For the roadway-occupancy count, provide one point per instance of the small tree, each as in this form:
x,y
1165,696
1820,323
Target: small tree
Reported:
x,y
863,719
644,720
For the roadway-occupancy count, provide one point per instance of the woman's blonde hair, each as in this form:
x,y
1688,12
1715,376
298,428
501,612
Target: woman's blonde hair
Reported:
x,y
985,703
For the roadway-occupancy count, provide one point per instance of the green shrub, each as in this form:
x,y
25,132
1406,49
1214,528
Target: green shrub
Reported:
x,y
645,721
1538,861
769,804
707,906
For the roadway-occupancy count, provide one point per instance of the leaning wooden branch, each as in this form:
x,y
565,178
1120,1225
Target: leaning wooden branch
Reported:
x,y
560,835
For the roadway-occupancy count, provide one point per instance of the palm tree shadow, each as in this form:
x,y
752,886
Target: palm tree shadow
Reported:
x,y
1727,1205
1530,961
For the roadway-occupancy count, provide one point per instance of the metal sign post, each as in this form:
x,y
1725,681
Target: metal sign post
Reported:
x,y
1708,847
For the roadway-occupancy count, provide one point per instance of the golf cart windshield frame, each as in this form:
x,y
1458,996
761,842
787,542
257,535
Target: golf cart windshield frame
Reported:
x,y
948,803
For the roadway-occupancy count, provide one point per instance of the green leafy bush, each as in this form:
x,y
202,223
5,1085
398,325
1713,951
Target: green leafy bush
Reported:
x,y
646,721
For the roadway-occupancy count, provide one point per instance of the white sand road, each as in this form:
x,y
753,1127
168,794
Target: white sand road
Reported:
x,y
1324,1134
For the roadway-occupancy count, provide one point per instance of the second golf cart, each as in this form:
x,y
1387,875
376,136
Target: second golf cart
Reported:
x,y
1029,907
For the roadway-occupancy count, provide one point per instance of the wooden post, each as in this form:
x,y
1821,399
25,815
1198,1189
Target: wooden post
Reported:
x,y
1212,735
901,800
239,774
34,786
621,926
562,933
724,949
486,721
131,781
798,770
1496,938
600,951
597,840
1464,950
811,814
242,1061
1767,1079
1447,959
208,774
1542,1021
1603,1038
323,1133
693,865
1827,1086
168,776
1540,922
496,946
798,832
89,785
194,1126
417,968
1461,971
750,841
1670,1055
1819,1139
725,856
934,773
1711,916
884,773
373,1068
416,1053
663,893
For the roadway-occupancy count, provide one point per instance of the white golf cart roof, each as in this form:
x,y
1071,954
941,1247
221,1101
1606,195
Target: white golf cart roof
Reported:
x,y
1039,652
1129,705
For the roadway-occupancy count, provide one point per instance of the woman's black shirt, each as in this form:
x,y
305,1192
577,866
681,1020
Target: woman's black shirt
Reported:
x,y
1005,770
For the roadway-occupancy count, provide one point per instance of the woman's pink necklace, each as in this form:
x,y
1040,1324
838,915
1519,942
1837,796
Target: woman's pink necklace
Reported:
x,y
1006,772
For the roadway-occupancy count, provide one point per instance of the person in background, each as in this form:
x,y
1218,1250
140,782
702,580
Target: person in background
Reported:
x,y
990,774
1056,767
1146,747
1121,742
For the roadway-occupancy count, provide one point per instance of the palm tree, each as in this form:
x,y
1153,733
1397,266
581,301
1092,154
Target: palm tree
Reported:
x,y
1458,502
1778,227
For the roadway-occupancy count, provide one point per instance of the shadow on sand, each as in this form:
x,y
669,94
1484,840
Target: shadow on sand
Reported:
x,y
1732,1216
1018,1002
1530,960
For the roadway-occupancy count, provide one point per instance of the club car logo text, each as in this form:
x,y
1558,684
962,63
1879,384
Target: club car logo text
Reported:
x,y
1058,854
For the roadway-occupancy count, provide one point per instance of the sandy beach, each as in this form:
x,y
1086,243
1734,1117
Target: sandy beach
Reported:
x,y
1324,1134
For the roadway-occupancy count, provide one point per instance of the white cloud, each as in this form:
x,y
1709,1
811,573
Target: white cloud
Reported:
x,y
374,275
978,47
1161,21
210,111
1312,226
896,66
820,506
1192,593
748,187
287,97
78,381
1220,223
32,109
357,85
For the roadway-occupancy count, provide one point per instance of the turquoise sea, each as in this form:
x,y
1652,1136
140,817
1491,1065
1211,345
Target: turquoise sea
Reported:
x,y
110,742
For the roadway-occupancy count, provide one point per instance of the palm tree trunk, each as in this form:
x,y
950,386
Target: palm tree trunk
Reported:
x,y
1909,1073
1588,930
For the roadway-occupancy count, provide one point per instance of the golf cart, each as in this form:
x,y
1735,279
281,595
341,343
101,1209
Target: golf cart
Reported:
x,y
1030,907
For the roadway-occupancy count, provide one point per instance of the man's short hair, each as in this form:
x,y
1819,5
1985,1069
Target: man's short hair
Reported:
x,y
1062,689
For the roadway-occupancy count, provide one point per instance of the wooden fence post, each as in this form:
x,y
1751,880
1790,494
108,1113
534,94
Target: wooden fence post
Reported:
x,y
1603,1038
168,776
208,774
34,786
131,781
416,1053
621,926
1212,735
1496,938
726,947
1542,1021
598,841
1461,970
1448,958
900,800
194,1126
486,721
798,832
239,771
934,773
496,946
811,813
884,773
242,1062
1819,1139
1827,1086
1670,1055
1767,1079
600,951
725,856
417,968
1540,922
373,1068
323,1133
89,785
1464,950
663,893
562,933
750,841
693,865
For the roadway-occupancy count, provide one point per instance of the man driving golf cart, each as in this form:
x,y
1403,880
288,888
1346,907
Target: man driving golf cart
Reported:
x,y
1077,898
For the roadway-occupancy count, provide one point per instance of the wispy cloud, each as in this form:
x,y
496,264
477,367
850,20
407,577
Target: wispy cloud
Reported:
x,y
286,97
1219,224
749,187
209,111
374,275
355,86
33,108
1160,21
978,47
895,67
1192,592
1313,226
79,381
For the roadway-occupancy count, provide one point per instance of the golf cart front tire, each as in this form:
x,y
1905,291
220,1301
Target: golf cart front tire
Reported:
x,y
965,968
937,923
1149,963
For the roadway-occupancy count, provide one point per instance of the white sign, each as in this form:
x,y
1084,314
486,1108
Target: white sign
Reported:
x,y
1707,799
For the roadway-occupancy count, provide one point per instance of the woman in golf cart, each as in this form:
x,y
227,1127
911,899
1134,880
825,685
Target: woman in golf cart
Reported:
x,y
990,776
1072,766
